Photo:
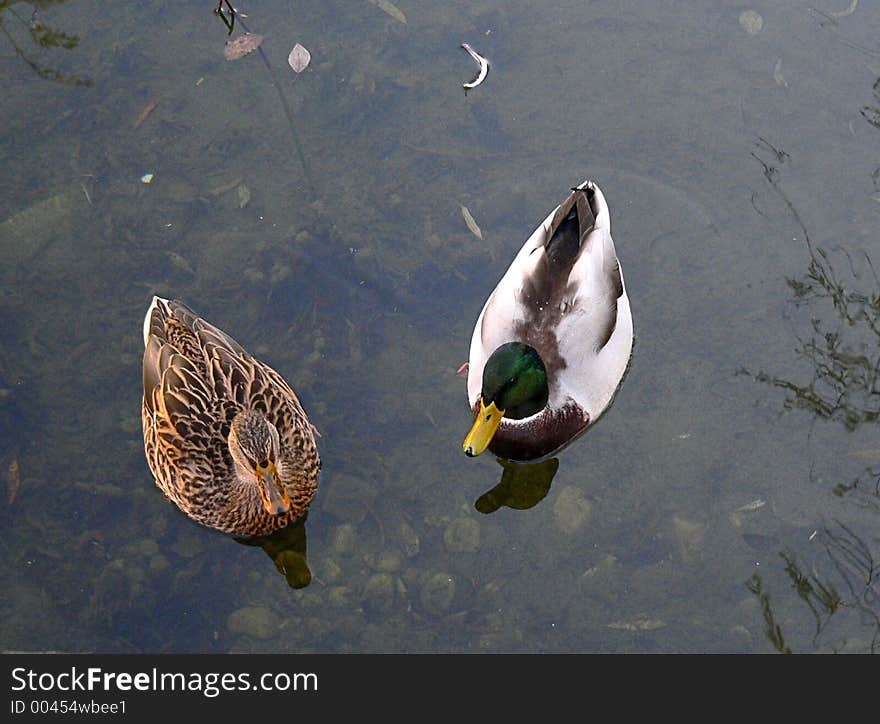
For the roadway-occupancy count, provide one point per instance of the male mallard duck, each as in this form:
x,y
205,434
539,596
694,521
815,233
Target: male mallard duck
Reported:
x,y
226,438
554,338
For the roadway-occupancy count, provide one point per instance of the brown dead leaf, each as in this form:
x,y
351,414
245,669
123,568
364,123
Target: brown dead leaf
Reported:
x,y
242,45
13,481
142,116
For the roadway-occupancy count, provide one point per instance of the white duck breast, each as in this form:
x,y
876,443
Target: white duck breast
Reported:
x,y
564,296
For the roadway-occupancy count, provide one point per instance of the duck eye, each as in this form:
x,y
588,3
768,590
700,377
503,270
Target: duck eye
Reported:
x,y
263,464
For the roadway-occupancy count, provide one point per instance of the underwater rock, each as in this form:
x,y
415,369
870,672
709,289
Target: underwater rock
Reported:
x,y
387,561
329,570
255,621
689,536
571,511
344,539
339,597
27,232
491,596
438,593
409,540
188,544
144,548
348,497
279,273
379,592
158,564
177,189
462,535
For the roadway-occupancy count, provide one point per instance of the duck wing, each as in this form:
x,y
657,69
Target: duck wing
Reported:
x,y
559,294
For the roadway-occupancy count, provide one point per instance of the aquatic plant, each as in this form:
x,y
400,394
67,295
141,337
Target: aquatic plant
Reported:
x,y
773,629
872,113
843,344
43,37
842,349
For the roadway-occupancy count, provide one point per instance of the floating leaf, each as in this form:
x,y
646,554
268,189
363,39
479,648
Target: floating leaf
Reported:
x,y
299,58
751,22
244,196
242,45
471,224
844,13
391,9
777,74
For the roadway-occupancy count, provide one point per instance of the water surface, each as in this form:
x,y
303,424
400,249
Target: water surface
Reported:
x,y
727,502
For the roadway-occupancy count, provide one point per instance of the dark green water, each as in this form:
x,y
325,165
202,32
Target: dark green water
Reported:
x,y
727,502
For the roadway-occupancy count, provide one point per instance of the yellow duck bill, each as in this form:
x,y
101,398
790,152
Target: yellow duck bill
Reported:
x,y
486,423
275,500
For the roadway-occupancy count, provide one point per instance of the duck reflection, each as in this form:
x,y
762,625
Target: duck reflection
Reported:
x,y
287,549
522,486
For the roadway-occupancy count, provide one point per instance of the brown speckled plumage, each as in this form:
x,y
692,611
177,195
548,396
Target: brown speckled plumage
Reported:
x,y
196,380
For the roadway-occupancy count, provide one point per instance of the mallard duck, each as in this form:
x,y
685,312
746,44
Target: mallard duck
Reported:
x,y
226,438
554,338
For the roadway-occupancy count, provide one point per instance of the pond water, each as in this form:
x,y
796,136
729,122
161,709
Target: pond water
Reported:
x,y
727,502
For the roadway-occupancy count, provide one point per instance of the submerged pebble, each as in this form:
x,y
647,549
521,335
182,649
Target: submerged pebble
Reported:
x,y
158,564
348,497
409,540
462,535
255,621
344,539
438,593
571,511
339,597
188,545
689,535
387,561
330,570
379,592
146,547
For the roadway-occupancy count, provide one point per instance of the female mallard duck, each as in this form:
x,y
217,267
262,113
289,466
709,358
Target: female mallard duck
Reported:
x,y
554,338
226,438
